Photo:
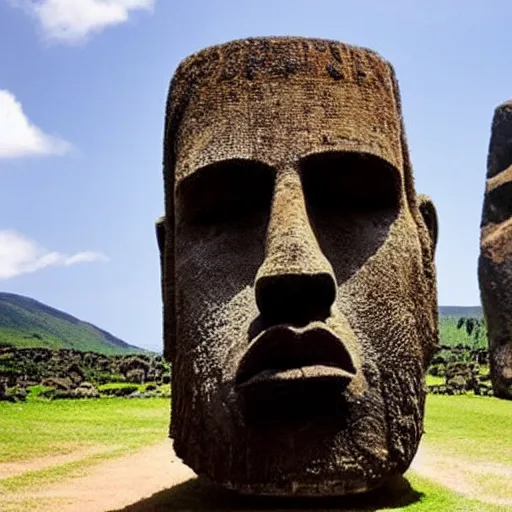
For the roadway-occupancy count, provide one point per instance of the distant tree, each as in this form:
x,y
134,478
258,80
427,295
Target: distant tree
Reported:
x,y
475,328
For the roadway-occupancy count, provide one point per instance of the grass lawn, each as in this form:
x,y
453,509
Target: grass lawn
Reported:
x,y
470,427
466,427
436,498
44,428
434,380
36,428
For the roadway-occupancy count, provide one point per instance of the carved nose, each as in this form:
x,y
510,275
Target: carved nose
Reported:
x,y
295,298
295,284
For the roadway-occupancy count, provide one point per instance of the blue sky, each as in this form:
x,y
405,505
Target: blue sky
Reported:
x,y
82,96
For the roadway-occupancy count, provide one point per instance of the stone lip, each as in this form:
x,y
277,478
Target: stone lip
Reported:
x,y
315,372
285,353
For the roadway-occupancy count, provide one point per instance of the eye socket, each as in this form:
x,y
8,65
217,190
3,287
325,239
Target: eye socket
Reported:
x,y
225,192
350,182
499,203
500,153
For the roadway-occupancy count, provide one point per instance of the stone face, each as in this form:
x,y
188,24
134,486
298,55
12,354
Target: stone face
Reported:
x,y
495,262
298,282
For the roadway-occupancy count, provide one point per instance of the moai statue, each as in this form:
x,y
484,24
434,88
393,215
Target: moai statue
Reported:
x,y
299,290
495,262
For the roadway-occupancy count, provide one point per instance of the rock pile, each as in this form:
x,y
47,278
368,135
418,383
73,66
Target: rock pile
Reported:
x,y
462,370
75,374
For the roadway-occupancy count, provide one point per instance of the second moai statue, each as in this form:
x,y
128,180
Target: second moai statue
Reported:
x,y
495,262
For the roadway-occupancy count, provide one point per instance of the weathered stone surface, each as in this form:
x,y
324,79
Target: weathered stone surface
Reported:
x,y
298,281
495,262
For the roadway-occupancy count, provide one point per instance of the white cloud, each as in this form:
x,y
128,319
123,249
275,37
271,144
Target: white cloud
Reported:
x,y
73,20
21,255
19,137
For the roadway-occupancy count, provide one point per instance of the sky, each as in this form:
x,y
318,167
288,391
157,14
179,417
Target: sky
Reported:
x,y
83,86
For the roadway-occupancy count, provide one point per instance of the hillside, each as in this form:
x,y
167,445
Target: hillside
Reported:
x,y
459,311
25,322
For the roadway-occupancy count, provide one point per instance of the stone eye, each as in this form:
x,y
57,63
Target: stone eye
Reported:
x,y
225,192
500,204
349,182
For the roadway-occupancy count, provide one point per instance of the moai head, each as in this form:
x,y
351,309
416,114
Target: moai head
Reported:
x,y
299,289
495,263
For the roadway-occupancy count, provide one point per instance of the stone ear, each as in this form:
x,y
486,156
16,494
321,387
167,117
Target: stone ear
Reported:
x,y
167,324
160,234
429,215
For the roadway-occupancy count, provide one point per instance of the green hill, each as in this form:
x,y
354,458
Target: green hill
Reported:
x,y
25,322
459,311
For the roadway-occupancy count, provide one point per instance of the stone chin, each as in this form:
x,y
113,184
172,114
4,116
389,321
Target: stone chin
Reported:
x,y
495,271
343,469
350,444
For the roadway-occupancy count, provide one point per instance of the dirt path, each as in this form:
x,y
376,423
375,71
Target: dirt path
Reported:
x,y
114,484
12,469
462,476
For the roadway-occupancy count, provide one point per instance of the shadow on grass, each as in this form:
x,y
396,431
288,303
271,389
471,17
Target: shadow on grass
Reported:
x,y
199,494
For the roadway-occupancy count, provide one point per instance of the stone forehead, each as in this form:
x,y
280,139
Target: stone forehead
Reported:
x,y
505,107
496,234
266,57
500,146
341,96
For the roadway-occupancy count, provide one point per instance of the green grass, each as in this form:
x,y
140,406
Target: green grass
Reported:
x,y
36,428
434,380
112,386
437,498
34,392
121,385
469,427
